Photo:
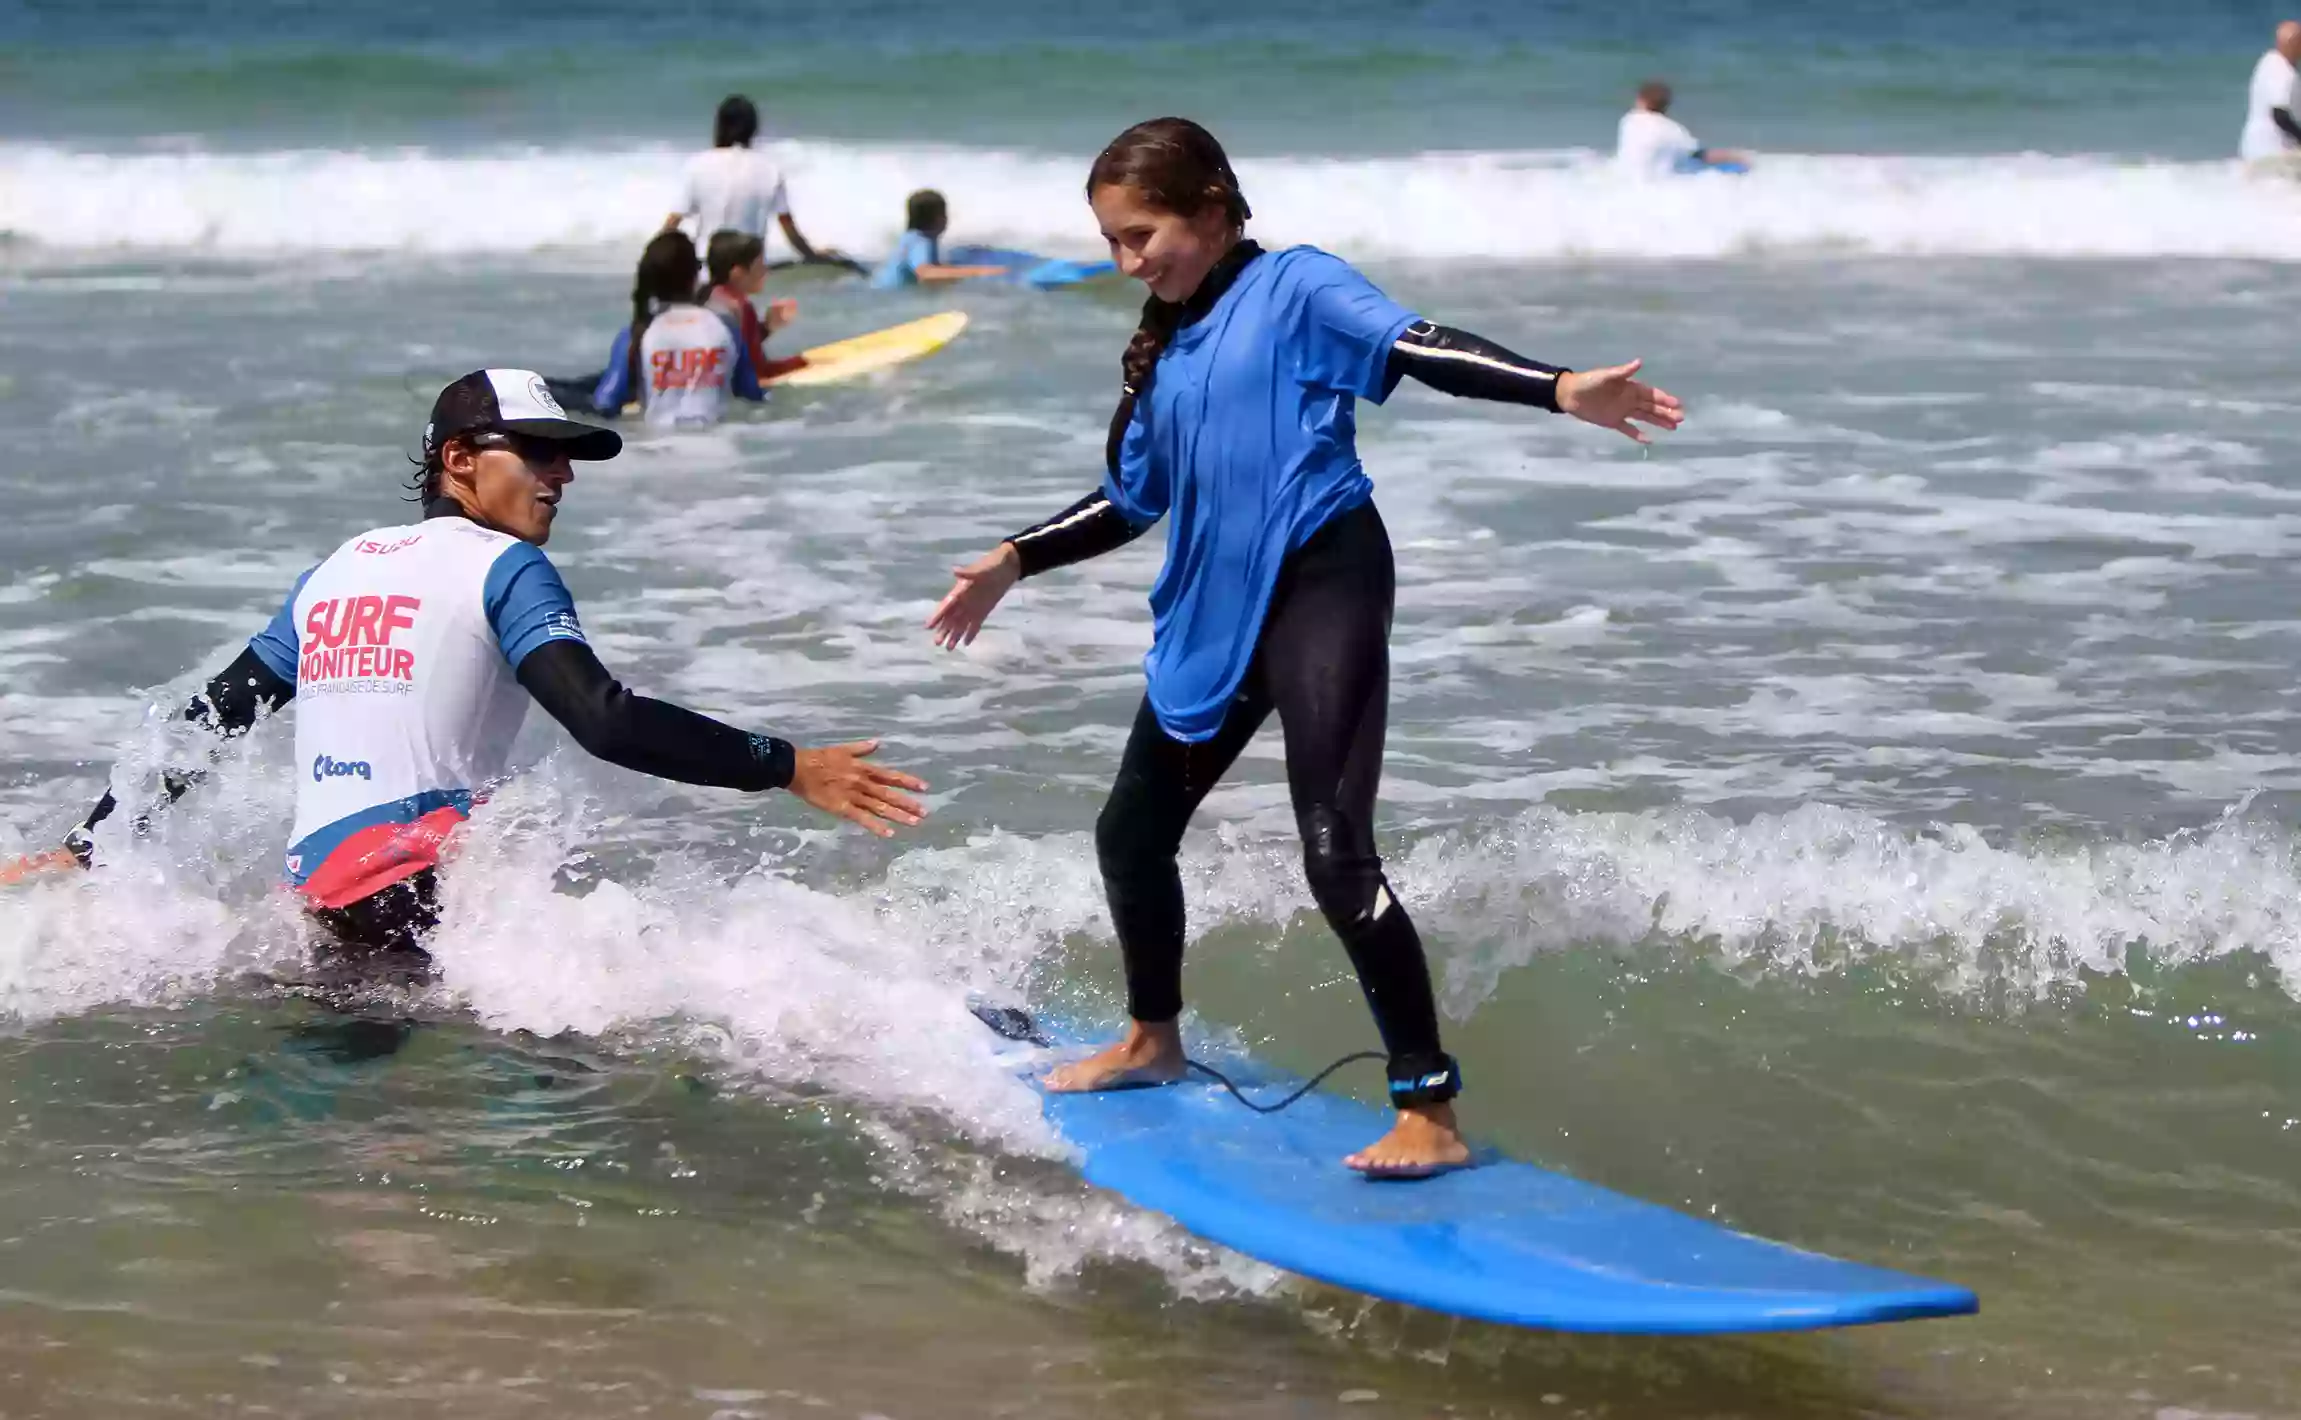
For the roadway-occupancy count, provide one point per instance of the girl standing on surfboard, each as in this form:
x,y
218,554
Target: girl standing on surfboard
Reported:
x,y
1237,424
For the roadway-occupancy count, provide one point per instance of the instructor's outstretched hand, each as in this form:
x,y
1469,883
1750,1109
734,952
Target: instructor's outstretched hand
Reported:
x,y
839,779
968,604
1610,399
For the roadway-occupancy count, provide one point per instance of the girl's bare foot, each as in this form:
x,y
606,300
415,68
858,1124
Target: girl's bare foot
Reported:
x,y
1424,1141
1150,1054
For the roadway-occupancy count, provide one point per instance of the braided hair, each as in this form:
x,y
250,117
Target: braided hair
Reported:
x,y
1178,167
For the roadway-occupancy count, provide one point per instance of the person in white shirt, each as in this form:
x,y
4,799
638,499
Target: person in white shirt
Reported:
x,y
2270,129
736,188
1650,143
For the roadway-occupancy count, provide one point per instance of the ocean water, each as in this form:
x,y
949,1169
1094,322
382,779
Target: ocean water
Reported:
x,y
1865,819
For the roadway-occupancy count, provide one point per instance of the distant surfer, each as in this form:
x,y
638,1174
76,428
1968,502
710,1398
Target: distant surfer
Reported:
x,y
918,255
412,652
1236,422
733,186
2272,137
1650,143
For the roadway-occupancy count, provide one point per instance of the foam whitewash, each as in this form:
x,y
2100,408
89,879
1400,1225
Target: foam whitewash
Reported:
x,y
1440,205
863,992
858,991
1787,891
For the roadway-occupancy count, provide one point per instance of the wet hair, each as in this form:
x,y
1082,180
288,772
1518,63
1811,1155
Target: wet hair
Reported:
x,y
728,249
1655,95
925,208
427,480
423,482
736,123
666,276
1178,167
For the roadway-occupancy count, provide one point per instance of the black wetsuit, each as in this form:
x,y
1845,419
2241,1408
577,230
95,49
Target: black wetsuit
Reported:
x,y
1323,663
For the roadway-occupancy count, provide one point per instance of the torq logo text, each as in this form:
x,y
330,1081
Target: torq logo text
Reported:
x,y
326,767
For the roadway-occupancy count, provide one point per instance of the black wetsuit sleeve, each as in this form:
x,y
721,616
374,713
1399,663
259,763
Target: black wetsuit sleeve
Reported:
x,y
229,705
237,694
2283,118
651,736
1088,528
1458,363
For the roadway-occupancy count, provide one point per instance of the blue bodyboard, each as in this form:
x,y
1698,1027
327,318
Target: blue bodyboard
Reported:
x,y
1028,268
1503,1241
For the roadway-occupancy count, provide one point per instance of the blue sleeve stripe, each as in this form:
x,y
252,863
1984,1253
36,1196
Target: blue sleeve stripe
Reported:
x,y
276,645
527,604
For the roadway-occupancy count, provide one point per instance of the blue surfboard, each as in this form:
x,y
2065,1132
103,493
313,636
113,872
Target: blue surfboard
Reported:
x,y
1029,268
1503,1241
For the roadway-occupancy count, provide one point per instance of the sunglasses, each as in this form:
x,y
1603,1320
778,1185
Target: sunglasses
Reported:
x,y
534,451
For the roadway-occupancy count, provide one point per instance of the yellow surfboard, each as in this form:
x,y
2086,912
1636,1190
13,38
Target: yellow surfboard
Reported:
x,y
851,359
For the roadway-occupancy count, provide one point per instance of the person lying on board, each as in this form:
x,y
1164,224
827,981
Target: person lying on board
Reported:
x,y
412,652
736,270
918,255
1238,419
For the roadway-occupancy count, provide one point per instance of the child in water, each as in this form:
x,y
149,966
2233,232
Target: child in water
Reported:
x,y
918,255
678,360
736,267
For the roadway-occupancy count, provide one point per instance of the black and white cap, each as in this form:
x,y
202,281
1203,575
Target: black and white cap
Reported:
x,y
515,402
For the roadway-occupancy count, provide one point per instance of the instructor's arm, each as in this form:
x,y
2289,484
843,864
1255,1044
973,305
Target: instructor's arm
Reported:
x,y
659,738
234,697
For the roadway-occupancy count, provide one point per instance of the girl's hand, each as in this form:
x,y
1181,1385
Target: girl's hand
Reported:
x,y
1610,399
980,584
780,314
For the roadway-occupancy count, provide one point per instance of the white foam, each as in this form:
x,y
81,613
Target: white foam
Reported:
x,y
860,995
1820,886
1442,205
856,989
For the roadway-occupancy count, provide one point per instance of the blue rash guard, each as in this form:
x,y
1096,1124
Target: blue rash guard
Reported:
x,y
1247,442
901,268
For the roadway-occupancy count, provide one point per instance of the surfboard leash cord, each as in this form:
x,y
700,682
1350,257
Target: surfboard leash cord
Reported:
x,y
1015,1023
1313,1083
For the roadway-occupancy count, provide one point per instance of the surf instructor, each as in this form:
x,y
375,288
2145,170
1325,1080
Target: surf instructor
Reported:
x,y
412,652
1236,424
